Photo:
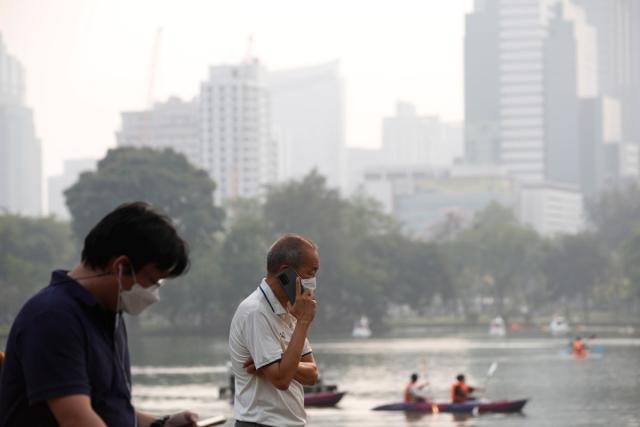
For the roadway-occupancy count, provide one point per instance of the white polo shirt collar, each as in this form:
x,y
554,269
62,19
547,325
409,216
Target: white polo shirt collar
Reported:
x,y
271,299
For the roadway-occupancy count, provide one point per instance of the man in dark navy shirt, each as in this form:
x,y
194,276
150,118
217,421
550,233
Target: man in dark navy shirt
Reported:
x,y
67,357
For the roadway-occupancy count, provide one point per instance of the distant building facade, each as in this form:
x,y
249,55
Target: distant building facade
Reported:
x,y
173,124
20,149
308,118
551,209
423,198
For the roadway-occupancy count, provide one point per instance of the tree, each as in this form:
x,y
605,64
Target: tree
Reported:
x,y
497,254
30,248
163,178
574,265
631,260
615,213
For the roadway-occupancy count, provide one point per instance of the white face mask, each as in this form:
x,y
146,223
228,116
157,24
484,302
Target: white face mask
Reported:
x,y
309,283
136,299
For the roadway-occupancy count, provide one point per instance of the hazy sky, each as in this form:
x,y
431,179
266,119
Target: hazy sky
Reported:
x,y
88,60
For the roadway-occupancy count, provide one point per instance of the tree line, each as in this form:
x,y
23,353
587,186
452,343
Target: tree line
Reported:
x,y
487,266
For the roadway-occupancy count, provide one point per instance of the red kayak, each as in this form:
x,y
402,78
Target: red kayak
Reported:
x,y
472,406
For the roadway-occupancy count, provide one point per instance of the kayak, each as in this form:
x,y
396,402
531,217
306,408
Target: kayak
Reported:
x,y
323,399
472,406
321,395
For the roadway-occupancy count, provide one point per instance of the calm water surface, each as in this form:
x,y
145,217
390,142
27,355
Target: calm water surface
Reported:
x,y
175,373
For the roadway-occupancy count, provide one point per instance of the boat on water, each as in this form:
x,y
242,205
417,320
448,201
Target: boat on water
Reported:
x,y
361,328
322,395
323,399
497,327
471,406
559,326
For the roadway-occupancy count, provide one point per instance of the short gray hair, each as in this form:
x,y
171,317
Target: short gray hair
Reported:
x,y
288,249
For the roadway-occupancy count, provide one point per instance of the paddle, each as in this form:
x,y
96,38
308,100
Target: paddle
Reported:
x,y
490,372
425,380
492,369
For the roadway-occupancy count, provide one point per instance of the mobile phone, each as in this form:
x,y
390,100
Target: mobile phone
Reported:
x,y
213,421
288,282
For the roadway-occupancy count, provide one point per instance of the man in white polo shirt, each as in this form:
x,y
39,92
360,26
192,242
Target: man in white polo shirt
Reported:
x,y
271,357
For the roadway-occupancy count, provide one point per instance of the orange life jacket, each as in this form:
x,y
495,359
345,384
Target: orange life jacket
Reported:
x,y
407,395
579,348
459,392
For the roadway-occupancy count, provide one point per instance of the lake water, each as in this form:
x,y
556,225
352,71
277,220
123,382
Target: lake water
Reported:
x,y
175,373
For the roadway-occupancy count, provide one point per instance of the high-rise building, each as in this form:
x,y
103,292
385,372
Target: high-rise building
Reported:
x,y
20,150
606,159
569,75
482,86
308,116
521,96
237,144
617,23
60,183
173,124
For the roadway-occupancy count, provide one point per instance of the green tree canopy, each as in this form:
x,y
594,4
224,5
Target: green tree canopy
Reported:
x,y
498,254
574,265
163,178
631,260
615,213
30,248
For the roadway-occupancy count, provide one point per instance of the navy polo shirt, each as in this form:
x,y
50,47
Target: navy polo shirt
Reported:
x,y
63,343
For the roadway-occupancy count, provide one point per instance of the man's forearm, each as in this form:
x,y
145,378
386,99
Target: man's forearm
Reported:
x,y
144,420
291,356
307,373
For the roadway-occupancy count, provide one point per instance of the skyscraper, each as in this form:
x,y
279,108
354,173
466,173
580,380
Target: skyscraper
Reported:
x,y
527,62
482,86
308,116
20,151
617,23
237,144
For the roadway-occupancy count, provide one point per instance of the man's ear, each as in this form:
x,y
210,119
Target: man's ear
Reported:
x,y
118,265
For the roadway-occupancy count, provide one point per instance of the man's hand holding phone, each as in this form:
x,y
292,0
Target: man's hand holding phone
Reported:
x,y
304,307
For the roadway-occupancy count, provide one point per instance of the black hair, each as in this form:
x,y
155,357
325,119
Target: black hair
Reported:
x,y
414,377
460,377
141,233
288,250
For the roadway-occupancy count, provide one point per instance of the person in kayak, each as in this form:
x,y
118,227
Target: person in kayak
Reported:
x,y
411,390
461,392
579,348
